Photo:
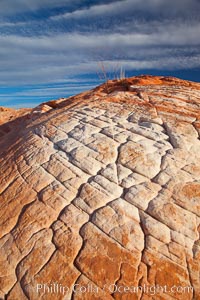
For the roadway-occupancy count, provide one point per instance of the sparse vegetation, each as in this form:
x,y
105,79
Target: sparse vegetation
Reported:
x,y
104,75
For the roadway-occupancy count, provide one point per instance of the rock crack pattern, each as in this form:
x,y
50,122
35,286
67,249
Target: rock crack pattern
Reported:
x,y
103,190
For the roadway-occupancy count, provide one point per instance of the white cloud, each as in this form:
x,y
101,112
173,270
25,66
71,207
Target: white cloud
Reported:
x,y
10,7
95,10
165,34
122,6
26,60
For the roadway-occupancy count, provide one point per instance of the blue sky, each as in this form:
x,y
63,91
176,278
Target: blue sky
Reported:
x,y
52,48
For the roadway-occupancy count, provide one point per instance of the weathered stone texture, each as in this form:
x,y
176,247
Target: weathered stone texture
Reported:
x,y
103,189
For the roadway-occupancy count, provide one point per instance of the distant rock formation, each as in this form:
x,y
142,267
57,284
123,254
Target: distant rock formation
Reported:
x,y
100,194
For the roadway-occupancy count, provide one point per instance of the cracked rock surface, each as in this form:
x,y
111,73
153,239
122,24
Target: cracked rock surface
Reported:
x,y
103,188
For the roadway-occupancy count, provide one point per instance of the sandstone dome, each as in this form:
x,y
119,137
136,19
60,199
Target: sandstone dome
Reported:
x,y
100,193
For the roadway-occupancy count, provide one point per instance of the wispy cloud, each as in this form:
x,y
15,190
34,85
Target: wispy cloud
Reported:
x,y
170,7
61,41
49,58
